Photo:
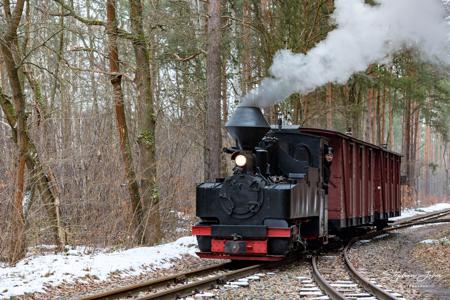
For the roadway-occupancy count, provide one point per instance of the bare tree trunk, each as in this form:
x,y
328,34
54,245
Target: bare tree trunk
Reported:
x,y
415,145
262,9
147,126
213,141
328,108
377,120
17,242
246,44
91,59
116,81
426,160
224,95
51,196
382,127
373,116
296,108
8,45
306,108
407,192
368,131
407,137
43,180
223,159
47,190
390,140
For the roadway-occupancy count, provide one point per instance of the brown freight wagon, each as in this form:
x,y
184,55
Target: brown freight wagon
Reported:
x,y
364,185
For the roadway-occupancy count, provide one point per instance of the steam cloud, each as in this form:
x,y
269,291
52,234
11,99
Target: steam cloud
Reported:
x,y
364,35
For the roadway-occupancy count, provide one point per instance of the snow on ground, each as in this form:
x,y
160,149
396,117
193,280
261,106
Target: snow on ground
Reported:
x,y
34,272
410,212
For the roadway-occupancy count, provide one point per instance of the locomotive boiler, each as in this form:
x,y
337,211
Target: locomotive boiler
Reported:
x,y
276,199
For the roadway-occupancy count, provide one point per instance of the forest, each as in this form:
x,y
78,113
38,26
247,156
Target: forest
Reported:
x,y
113,110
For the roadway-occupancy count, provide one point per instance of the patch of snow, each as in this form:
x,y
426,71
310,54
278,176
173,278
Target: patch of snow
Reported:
x,y
428,242
231,286
410,212
180,215
204,295
442,241
238,283
36,271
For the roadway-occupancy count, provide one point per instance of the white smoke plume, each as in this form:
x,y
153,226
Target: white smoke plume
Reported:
x,y
364,35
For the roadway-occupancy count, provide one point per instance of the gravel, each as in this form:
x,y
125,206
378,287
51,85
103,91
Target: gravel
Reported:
x,y
285,282
398,261
398,264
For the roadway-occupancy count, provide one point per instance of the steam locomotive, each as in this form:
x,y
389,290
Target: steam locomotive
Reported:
x,y
280,197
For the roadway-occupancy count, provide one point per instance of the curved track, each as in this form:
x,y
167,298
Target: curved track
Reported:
x,y
184,284
371,290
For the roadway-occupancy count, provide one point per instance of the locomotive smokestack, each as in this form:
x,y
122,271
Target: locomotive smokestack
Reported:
x,y
247,126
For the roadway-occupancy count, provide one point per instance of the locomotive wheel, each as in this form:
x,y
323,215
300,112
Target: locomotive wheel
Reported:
x,y
278,246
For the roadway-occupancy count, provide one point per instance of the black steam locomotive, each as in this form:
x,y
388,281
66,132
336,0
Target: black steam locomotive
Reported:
x,y
273,200
278,198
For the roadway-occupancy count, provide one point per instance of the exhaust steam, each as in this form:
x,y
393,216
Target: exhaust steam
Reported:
x,y
364,35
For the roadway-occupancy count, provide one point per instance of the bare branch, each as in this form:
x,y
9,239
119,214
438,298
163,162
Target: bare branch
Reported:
x,y
91,22
187,58
38,46
83,20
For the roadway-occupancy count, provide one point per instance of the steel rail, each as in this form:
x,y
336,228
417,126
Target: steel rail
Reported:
x,y
413,220
186,290
361,280
151,284
323,283
427,222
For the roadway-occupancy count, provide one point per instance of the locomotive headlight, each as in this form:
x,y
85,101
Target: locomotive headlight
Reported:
x,y
240,160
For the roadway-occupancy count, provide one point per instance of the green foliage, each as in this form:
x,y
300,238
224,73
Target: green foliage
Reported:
x,y
146,138
155,194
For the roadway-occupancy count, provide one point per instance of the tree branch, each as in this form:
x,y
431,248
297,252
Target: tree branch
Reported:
x,y
187,58
83,20
38,46
91,22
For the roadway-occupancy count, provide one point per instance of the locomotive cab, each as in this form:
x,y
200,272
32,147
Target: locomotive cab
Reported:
x,y
274,200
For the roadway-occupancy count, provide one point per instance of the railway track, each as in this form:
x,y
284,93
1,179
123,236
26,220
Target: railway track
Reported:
x,y
179,285
351,285
419,220
356,284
